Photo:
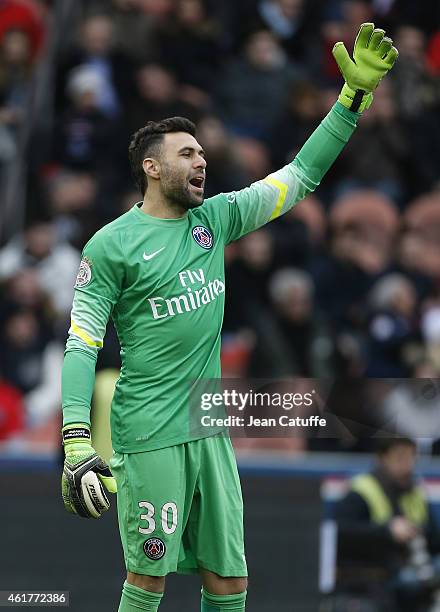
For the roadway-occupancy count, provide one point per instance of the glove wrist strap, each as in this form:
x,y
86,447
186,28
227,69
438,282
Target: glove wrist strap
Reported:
x,y
356,101
76,433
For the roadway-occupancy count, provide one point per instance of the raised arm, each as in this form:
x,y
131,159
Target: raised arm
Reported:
x,y
250,208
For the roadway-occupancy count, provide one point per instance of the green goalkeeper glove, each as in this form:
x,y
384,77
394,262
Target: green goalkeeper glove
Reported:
x,y
373,56
84,474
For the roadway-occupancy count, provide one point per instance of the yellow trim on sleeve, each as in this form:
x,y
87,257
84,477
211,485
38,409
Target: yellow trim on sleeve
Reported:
x,y
85,336
282,187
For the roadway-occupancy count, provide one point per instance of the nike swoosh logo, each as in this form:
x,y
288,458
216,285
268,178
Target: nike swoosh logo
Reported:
x,y
151,255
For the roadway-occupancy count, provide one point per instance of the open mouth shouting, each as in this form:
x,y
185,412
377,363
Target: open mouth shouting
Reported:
x,y
198,183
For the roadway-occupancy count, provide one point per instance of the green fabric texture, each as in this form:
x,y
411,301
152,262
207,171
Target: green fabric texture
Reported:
x,y
203,533
134,599
164,289
322,148
223,603
79,365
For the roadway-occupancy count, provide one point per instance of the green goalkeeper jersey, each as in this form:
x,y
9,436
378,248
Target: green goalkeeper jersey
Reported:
x,y
163,283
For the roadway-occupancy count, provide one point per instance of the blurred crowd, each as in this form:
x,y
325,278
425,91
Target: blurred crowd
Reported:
x,y
347,284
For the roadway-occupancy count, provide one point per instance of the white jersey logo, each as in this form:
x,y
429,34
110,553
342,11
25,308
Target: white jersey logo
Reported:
x,y
84,273
151,255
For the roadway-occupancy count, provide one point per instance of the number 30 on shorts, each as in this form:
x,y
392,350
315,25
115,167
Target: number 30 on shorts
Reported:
x,y
168,517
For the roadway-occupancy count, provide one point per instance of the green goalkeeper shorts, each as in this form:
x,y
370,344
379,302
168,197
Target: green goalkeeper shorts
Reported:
x,y
180,509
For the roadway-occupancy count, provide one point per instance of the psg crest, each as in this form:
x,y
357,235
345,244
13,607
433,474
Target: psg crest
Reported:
x,y
154,548
202,236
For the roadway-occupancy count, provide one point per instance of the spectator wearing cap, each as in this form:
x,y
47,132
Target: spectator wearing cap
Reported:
x,y
24,17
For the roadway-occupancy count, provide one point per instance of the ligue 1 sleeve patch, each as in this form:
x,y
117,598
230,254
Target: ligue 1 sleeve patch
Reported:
x,y
154,548
84,275
202,236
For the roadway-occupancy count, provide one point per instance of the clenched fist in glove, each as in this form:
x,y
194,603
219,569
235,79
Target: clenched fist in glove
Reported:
x,y
85,475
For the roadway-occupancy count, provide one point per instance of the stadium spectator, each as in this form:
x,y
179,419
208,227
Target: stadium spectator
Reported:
x,y
15,76
386,532
392,327
418,100
287,20
86,138
134,29
27,17
226,171
302,113
392,13
340,22
24,338
248,277
363,225
55,263
416,90
420,243
158,96
12,420
305,343
253,156
430,327
32,363
379,156
433,53
299,236
73,199
254,86
190,45
95,49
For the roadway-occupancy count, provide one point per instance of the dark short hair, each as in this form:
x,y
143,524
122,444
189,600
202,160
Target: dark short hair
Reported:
x,y
384,445
146,141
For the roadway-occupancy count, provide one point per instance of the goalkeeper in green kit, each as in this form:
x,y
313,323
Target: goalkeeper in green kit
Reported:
x,y
158,271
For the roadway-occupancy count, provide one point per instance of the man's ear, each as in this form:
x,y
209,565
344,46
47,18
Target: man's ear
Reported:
x,y
151,167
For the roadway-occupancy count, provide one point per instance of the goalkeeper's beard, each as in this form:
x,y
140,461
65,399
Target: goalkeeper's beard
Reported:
x,y
177,191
